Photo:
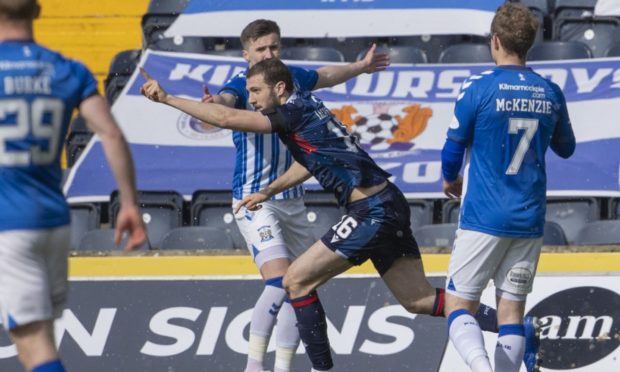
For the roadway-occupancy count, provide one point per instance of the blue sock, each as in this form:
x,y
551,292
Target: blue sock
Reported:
x,y
51,366
487,318
312,327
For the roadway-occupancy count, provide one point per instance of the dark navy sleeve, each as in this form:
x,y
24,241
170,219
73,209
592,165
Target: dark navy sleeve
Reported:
x,y
563,140
88,83
283,118
305,78
461,128
236,87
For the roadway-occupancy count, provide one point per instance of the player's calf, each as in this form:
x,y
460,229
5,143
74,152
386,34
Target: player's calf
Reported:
x,y
312,326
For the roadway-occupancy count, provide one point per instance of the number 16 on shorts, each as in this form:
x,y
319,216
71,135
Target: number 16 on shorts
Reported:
x,y
345,227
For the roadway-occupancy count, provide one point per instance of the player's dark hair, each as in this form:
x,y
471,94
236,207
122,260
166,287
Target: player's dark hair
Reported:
x,y
256,29
18,10
273,71
516,27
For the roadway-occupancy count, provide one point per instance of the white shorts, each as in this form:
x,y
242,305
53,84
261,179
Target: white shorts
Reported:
x,y
277,230
478,257
33,275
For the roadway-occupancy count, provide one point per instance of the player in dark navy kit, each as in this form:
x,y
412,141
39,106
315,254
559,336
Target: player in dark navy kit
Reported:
x,y
506,118
376,225
39,89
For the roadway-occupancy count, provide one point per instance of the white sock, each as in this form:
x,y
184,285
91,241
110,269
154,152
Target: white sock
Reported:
x,y
263,319
466,337
287,338
510,347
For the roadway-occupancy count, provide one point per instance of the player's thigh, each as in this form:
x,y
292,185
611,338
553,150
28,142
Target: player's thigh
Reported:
x,y
407,281
515,274
25,294
57,262
313,268
262,232
297,233
474,260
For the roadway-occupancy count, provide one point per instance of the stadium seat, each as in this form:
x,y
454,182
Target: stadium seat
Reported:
x,y
227,52
574,8
322,211
181,44
450,211
421,213
466,53
400,54
122,66
312,53
614,208
554,235
599,233
541,6
558,50
214,209
159,16
441,235
599,34
84,217
103,240
161,211
572,214
197,237
78,137
613,51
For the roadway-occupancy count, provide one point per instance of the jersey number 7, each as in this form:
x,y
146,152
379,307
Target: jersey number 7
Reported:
x,y
514,125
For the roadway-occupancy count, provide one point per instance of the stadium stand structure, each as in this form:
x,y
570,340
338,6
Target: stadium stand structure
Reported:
x,y
466,53
421,212
197,237
312,53
213,209
573,8
161,211
599,33
614,50
121,68
159,16
599,233
408,54
84,218
78,137
572,214
553,234
103,240
559,50
439,235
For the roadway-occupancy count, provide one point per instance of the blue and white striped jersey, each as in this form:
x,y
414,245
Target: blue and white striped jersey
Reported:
x,y
261,158
39,89
508,117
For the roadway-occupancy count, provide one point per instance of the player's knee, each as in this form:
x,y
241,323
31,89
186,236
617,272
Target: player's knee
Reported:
x,y
294,287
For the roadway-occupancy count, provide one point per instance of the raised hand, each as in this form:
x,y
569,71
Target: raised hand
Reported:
x,y
374,62
151,89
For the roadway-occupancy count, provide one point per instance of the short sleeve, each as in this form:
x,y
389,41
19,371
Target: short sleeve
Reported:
x,y
236,87
305,79
87,82
461,128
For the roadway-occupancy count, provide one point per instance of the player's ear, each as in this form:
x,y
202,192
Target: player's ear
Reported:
x,y
245,55
280,88
37,11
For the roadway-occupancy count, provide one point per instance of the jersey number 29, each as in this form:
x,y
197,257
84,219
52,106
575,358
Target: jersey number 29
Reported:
x,y
43,117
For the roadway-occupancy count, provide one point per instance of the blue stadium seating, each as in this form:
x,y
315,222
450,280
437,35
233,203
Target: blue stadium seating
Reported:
x,y
599,233
554,235
121,68
614,50
573,8
450,211
558,50
421,213
214,209
312,53
161,211
466,53
440,235
84,217
400,54
78,137
322,211
197,237
599,34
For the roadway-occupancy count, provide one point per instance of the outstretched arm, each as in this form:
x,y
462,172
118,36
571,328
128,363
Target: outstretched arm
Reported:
x,y
212,113
293,176
330,76
99,118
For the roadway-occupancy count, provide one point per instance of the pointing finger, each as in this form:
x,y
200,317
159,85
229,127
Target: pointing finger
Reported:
x,y
145,74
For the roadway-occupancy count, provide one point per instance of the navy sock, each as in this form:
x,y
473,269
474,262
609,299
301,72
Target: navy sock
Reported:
x,y
312,327
487,318
51,366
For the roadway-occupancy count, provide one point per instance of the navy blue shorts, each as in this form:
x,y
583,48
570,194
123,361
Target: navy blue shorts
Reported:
x,y
376,227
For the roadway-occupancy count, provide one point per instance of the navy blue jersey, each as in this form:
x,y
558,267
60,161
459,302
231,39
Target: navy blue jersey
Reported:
x,y
261,158
320,143
39,89
508,117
